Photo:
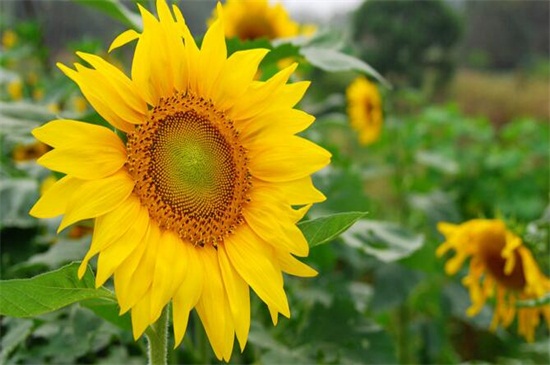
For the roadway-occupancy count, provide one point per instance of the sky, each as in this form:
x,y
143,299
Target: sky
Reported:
x,y
319,8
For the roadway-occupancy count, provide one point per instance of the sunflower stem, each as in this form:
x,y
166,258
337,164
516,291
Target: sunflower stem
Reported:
x,y
157,336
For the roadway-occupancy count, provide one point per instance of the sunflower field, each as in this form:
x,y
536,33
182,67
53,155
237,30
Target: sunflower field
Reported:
x,y
274,182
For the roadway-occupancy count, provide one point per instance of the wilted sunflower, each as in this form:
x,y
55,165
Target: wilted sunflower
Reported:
x,y
501,267
192,193
254,19
365,109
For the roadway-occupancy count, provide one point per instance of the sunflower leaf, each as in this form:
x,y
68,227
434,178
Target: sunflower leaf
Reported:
x,y
48,292
333,61
115,10
325,229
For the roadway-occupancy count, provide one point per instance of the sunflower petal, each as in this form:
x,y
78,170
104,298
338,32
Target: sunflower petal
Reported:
x,y
238,295
110,228
97,197
55,199
116,246
251,257
123,39
213,308
281,158
188,294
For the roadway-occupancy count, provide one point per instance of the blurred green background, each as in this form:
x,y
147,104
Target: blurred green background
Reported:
x,y
466,135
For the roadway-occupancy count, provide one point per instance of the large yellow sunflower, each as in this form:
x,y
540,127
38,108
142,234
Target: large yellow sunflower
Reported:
x,y
254,19
501,267
365,109
193,187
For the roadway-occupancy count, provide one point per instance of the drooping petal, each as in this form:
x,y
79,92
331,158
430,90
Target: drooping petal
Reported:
x,y
238,295
170,270
109,228
213,307
189,292
94,198
251,258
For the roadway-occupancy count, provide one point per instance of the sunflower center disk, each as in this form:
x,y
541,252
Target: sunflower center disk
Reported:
x,y
190,169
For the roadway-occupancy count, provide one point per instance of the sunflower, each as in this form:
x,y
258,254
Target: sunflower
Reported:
x,y
365,109
254,19
500,267
193,189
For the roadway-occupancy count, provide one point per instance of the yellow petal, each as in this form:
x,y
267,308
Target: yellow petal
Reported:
x,y
212,57
258,97
55,199
266,218
252,258
118,246
66,133
124,273
124,38
121,86
280,158
235,78
100,102
213,308
188,293
141,315
91,161
97,197
292,266
238,295
140,280
109,228
170,270
295,192
281,121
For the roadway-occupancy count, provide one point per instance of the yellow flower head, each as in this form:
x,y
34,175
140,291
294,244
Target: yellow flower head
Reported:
x,y
15,89
254,19
365,109
9,39
195,204
500,267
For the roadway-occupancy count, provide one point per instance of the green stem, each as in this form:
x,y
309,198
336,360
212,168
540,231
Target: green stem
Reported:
x,y
157,335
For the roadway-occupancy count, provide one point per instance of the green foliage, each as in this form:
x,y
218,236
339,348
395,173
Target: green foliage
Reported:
x,y
325,229
404,40
47,292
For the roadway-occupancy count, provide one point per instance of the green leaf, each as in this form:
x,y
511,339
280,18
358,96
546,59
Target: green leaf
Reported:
x,y
115,10
48,292
108,309
324,229
333,61
384,240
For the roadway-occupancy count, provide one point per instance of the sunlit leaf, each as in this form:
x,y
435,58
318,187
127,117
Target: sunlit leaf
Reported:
x,y
48,292
115,10
324,229
333,61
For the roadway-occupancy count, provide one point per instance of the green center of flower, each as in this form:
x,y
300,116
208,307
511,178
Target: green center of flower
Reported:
x,y
190,169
